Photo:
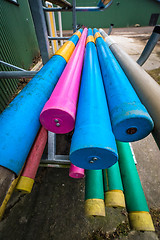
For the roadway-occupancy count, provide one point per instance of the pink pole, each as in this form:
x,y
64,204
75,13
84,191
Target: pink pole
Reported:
x,y
35,154
76,172
58,114
26,180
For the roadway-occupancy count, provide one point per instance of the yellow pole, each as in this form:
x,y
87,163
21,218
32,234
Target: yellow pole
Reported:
x,y
52,22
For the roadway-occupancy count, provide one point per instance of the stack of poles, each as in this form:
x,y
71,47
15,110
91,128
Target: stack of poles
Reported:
x,y
139,216
20,124
58,114
147,89
93,144
27,179
63,111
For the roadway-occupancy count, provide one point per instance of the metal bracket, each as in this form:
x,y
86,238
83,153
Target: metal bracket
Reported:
x,y
52,159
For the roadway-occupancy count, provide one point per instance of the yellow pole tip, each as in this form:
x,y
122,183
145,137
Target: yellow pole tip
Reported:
x,y
94,207
114,198
25,184
141,221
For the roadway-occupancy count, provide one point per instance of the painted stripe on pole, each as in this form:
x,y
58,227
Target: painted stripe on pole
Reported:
x,y
66,50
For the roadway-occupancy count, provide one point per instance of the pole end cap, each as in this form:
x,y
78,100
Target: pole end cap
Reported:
x,y
25,184
141,221
95,207
114,198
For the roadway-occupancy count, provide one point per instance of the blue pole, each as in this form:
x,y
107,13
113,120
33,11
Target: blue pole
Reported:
x,y
93,144
130,119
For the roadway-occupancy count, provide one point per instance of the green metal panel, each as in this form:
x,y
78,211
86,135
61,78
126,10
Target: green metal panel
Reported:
x,y
18,43
122,13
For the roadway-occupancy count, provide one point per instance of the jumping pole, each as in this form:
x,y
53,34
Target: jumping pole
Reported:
x,y
58,114
94,194
19,122
113,190
129,118
139,216
26,181
93,143
145,86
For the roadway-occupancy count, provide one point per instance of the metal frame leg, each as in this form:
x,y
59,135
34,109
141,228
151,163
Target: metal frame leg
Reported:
x,y
40,28
51,145
54,160
110,29
74,17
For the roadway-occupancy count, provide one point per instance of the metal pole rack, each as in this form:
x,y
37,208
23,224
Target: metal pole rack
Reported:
x,y
37,11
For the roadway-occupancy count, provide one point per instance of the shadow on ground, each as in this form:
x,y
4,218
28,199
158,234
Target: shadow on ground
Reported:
x,y
55,210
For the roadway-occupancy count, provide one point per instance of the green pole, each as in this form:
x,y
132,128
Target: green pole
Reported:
x,y
136,203
114,177
94,193
114,196
105,181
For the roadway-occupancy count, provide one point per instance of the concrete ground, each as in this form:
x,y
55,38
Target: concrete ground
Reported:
x,y
55,208
133,40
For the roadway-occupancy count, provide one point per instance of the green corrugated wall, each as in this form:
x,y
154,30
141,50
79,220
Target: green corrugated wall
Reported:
x,y
122,13
18,43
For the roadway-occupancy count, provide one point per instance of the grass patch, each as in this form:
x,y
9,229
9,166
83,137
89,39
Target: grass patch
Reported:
x,y
122,230
155,73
